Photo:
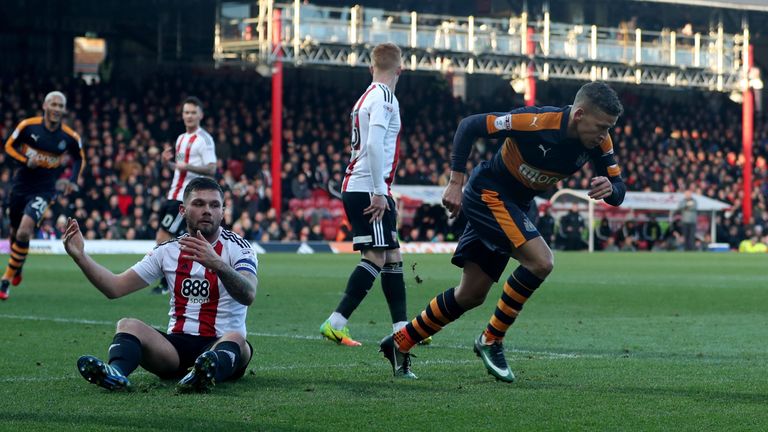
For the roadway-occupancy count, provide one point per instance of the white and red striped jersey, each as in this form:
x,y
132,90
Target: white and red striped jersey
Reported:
x,y
196,149
377,106
200,303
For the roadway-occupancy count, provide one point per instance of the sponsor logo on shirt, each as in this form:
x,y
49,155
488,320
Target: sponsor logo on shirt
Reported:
x,y
535,176
196,290
43,159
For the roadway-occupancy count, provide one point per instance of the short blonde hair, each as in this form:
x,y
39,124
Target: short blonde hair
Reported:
x,y
386,57
54,94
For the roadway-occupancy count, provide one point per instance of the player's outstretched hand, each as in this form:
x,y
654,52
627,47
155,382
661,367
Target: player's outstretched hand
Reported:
x,y
197,248
377,208
452,198
601,188
73,239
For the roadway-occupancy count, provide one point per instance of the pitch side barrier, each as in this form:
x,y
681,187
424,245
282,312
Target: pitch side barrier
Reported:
x,y
56,247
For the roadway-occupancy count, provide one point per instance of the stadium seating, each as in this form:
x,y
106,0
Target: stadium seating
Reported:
x,y
660,146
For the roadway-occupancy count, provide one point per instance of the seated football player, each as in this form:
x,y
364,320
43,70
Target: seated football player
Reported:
x,y
212,272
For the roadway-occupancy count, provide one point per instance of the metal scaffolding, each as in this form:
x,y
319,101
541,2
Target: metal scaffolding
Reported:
x,y
344,36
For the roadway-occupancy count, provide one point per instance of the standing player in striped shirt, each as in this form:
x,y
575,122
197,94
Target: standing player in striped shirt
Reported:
x,y
365,192
195,156
213,275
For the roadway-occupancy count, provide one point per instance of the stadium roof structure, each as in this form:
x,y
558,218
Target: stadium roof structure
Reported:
x,y
515,47
745,5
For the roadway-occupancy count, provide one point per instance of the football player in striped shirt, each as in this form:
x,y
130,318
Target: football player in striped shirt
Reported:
x,y
41,146
540,147
213,275
194,155
370,209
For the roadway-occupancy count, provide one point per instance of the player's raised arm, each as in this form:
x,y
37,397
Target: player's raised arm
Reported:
x,y
608,184
110,284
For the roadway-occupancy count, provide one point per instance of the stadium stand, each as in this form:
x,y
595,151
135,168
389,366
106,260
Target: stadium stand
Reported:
x,y
663,144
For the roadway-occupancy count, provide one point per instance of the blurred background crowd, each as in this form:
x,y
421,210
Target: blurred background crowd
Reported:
x,y
667,142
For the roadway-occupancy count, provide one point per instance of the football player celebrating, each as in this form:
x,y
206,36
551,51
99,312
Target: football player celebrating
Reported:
x,y
540,147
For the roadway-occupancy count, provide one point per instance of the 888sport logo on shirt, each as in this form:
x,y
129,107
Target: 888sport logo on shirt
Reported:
x,y
196,290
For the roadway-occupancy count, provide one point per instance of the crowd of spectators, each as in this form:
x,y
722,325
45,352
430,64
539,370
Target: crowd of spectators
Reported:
x,y
692,143
662,145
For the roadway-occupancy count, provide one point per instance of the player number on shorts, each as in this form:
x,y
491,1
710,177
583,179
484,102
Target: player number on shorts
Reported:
x,y
39,206
195,288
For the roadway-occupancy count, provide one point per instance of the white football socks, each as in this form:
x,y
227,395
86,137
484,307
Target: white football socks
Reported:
x,y
337,321
398,325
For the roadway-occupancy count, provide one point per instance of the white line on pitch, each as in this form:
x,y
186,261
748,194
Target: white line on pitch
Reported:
x,y
546,354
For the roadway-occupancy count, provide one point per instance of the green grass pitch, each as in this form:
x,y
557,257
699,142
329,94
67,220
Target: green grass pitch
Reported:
x,y
610,342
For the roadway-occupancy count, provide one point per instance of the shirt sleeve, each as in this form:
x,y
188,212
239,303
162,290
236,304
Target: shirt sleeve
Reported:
x,y
381,113
150,268
470,129
208,151
18,134
605,160
375,148
244,258
605,164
